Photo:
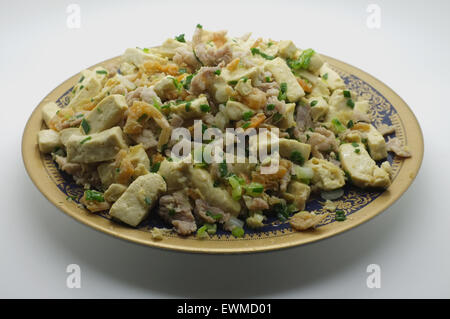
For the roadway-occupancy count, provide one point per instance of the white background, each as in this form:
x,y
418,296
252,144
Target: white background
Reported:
x,y
410,241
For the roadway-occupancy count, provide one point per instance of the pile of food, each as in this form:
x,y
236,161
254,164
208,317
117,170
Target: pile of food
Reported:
x,y
114,137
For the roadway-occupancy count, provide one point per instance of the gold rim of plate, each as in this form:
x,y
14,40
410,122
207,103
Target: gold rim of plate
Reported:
x,y
34,165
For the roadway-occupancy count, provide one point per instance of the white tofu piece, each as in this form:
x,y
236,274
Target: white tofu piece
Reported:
x,y
376,144
48,140
288,146
362,168
287,49
113,192
362,106
48,111
239,73
66,133
288,120
167,49
100,147
174,173
107,173
140,197
282,74
327,176
138,57
107,113
193,111
338,107
320,109
333,81
165,87
90,87
234,110
137,155
315,63
297,193
320,89
244,87
214,196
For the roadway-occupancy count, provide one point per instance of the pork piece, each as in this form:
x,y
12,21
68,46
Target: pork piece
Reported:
x,y
82,174
203,80
185,56
394,145
209,214
255,203
304,220
385,129
322,140
144,94
303,117
211,55
177,210
146,138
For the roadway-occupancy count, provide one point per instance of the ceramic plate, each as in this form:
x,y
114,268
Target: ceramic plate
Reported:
x,y
359,205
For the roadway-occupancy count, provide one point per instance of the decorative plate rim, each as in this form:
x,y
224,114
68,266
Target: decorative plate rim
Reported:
x,y
32,159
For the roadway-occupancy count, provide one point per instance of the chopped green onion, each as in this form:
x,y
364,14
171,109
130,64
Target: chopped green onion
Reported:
x,y
347,94
234,82
340,216
283,89
254,189
214,216
147,200
350,103
238,232
350,124
187,107
325,76
247,115
85,125
180,38
205,108
244,79
101,72
187,81
223,169
303,61
338,125
297,157
277,117
265,56
217,72
94,195
155,167
201,232
235,183
267,79
211,228
314,103
146,50
81,79
199,26
357,150
85,140
354,144
270,107
246,125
